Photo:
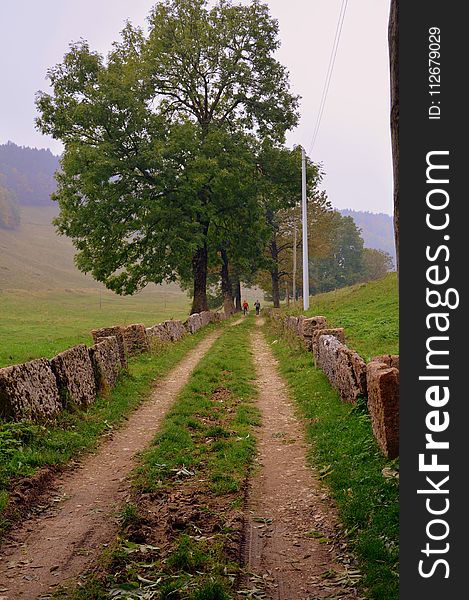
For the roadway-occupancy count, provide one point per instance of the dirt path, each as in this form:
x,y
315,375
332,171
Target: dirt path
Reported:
x,y
290,518
62,543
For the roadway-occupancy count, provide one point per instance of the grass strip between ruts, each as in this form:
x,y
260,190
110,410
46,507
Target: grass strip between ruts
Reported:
x,y
362,482
26,447
181,531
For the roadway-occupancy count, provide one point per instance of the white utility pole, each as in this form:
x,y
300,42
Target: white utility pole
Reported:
x,y
305,232
294,258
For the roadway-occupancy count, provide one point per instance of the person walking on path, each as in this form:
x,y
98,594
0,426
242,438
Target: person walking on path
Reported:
x,y
257,304
245,307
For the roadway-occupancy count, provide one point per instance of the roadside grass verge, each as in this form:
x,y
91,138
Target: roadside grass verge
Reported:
x,y
25,447
343,449
369,313
36,323
181,531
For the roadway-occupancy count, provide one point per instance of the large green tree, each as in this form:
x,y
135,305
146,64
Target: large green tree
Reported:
x,y
147,167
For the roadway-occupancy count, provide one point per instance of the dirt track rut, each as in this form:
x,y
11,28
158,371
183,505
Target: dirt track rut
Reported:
x,y
62,543
289,515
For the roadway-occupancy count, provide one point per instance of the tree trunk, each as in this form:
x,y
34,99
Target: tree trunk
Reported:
x,y
226,287
274,274
393,40
237,288
275,288
199,271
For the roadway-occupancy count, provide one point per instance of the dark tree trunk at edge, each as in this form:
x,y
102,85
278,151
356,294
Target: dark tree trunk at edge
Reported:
x,y
393,40
226,287
199,271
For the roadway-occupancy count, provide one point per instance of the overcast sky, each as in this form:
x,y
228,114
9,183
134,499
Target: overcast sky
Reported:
x,y
354,140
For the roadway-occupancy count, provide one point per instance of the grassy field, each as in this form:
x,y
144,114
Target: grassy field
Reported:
x,y
47,305
43,323
34,257
369,313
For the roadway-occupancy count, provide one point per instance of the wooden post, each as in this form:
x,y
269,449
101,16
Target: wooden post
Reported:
x,y
393,41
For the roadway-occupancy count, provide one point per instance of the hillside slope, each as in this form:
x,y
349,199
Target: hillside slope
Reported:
x,y
34,257
369,313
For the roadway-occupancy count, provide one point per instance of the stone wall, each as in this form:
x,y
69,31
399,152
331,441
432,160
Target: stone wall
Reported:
x,y
104,332
168,331
29,391
382,375
344,368
303,327
219,316
175,329
198,320
40,389
105,358
308,327
135,339
337,332
158,333
291,324
206,318
194,323
74,373
378,382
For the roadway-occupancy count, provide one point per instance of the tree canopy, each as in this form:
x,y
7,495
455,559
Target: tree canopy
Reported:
x,y
163,140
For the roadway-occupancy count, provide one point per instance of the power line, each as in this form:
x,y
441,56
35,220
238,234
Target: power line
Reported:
x,y
330,69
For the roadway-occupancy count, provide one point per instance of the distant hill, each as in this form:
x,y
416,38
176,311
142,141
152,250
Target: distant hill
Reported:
x,y
377,229
28,174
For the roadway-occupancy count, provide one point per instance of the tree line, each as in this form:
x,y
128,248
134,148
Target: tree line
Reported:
x,y
337,256
175,166
27,174
26,178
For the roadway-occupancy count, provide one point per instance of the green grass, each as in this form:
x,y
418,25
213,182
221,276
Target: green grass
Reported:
x,y
42,323
25,447
228,372
342,445
369,313
204,449
344,449
48,305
